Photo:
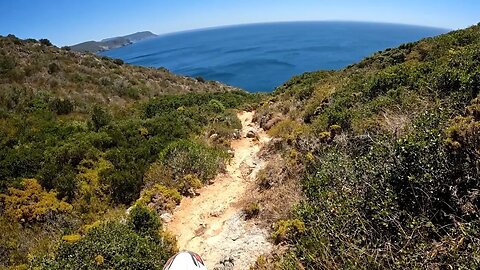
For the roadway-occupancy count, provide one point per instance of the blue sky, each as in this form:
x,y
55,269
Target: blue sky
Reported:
x,y
73,21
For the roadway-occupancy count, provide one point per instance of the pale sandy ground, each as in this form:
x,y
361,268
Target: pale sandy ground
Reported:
x,y
212,223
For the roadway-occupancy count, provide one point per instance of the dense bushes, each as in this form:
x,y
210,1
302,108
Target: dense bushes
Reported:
x,y
45,42
87,164
7,63
409,203
160,198
187,157
395,183
32,203
138,244
96,133
215,102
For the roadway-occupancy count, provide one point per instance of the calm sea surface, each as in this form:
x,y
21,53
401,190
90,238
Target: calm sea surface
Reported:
x,y
259,57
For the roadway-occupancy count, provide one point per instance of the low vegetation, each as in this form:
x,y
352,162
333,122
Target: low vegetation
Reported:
x,y
29,68
71,163
386,153
136,244
391,153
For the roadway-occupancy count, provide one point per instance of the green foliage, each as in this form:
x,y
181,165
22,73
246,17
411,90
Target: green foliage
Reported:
x,y
45,42
32,203
88,80
160,198
7,63
100,117
381,209
125,176
287,129
91,197
285,229
21,243
395,186
185,157
61,106
53,68
118,62
251,210
173,102
59,168
216,106
144,222
92,131
114,246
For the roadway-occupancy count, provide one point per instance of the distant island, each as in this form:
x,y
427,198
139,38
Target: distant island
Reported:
x,y
111,43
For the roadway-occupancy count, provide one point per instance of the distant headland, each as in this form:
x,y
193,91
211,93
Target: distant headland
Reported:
x,y
111,43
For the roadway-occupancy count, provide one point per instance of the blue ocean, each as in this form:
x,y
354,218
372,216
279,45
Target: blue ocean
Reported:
x,y
260,57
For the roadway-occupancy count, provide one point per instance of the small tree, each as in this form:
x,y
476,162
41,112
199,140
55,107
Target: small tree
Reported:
x,y
45,42
216,106
100,118
61,106
145,222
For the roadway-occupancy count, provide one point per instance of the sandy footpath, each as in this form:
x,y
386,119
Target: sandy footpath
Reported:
x,y
212,223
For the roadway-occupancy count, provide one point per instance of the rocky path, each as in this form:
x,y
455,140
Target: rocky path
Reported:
x,y
212,224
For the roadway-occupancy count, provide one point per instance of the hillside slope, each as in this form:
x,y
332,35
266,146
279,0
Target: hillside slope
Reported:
x,y
84,138
385,155
389,151
32,67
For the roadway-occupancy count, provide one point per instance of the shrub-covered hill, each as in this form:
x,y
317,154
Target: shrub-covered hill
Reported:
x,y
83,138
30,67
391,152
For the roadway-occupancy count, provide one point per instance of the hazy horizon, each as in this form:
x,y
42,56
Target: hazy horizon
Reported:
x,y
72,22
235,55
277,22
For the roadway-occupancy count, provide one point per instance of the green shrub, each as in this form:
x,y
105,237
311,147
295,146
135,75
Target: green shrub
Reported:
x,y
186,157
285,229
251,210
118,62
145,222
53,68
383,207
61,106
160,198
45,42
288,129
32,203
113,246
7,63
216,106
100,117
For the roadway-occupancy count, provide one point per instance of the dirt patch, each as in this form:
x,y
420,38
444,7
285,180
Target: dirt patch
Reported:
x,y
212,224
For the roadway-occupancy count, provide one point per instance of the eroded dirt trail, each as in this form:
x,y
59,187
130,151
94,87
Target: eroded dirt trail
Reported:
x,y
212,223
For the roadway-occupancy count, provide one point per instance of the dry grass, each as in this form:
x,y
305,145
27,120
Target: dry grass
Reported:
x,y
276,190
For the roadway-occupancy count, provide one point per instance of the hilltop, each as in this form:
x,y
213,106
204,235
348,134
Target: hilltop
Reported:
x,y
111,43
32,67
